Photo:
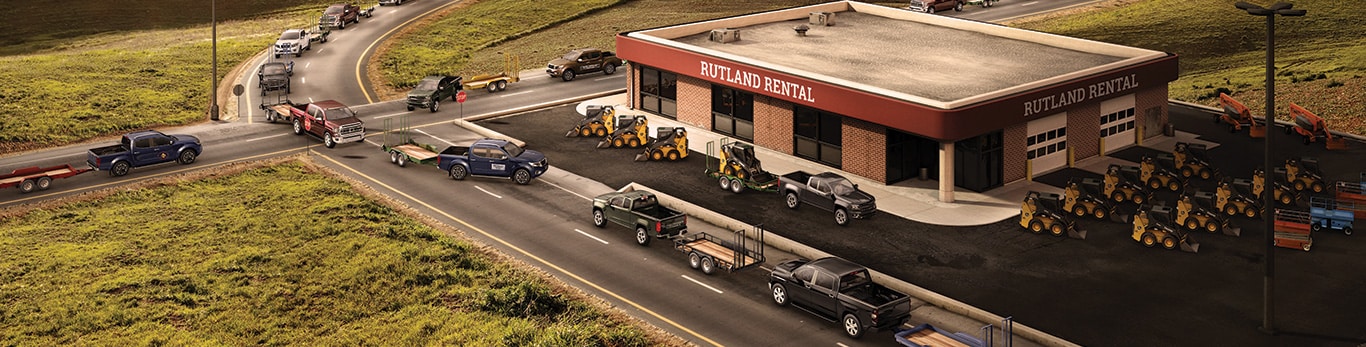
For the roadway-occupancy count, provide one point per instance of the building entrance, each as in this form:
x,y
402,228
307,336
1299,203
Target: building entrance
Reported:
x,y
907,153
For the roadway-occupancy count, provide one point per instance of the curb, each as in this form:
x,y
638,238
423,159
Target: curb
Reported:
x,y
466,122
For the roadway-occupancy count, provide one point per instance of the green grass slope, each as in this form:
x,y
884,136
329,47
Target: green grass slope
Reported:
x,y
275,255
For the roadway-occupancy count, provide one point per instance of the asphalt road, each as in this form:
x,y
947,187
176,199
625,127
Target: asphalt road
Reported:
x,y
1107,290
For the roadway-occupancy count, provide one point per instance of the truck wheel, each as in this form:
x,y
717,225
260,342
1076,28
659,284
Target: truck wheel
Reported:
x,y
277,56
708,266
852,327
458,172
329,141
120,169
642,236
694,260
1149,240
598,219
46,182
609,69
567,76
502,85
300,54
723,182
737,187
929,9
841,217
402,160
435,104
27,186
410,107
186,157
958,6
341,26
779,294
298,128
792,201
521,176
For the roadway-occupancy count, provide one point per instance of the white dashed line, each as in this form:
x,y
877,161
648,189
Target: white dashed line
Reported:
x,y
718,291
567,190
310,99
307,64
603,78
1029,3
841,344
267,137
487,192
303,80
591,236
390,115
517,93
437,138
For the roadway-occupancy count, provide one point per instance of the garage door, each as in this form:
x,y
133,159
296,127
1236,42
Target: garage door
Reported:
x,y
1117,122
1046,146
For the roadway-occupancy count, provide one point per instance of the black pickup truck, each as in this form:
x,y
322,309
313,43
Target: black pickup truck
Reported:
x,y
828,191
837,289
640,211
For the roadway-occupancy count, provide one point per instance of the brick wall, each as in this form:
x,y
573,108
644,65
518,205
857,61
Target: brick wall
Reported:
x,y
1014,152
773,124
1083,131
1152,100
632,86
864,149
694,101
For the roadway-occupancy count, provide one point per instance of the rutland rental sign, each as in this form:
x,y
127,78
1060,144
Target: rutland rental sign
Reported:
x,y
1081,94
757,81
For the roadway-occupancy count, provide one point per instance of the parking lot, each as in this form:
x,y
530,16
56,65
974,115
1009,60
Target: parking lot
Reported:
x,y
1105,290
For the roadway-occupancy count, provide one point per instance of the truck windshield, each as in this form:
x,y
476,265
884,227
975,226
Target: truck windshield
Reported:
x,y
841,186
854,279
571,56
426,85
340,112
290,35
513,150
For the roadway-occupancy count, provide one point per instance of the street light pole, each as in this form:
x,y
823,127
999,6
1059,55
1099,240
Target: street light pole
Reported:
x,y
213,80
1268,199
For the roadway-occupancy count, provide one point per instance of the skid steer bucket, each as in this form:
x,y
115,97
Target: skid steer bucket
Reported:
x,y
1231,230
1190,246
1076,233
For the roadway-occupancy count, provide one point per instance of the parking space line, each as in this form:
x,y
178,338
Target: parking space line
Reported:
x,y
592,237
517,93
718,291
487,192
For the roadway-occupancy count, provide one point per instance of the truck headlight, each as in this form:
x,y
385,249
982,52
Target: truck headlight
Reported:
x,y
536,164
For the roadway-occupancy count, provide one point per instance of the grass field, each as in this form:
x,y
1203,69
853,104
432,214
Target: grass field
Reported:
x,y
280,254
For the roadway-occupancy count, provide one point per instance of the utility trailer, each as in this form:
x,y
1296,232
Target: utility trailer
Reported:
x,y
707,252
34,178
1292,228
497,82
926,335
735,167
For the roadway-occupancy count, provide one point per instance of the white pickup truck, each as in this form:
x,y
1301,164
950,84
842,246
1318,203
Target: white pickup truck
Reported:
x,y
292,41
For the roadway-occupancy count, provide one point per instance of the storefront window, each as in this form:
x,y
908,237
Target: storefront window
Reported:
x,y
819,136
732,112
659,91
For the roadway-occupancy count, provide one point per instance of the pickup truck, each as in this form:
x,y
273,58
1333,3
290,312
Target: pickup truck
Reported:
x,y
337,15
274,76
641,211
583,60
143,148
429,92
837,289
932,6
292,41
329,120
492,158
828,191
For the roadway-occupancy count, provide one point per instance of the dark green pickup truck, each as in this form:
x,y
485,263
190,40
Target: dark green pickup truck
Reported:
x,y
429,92
641,211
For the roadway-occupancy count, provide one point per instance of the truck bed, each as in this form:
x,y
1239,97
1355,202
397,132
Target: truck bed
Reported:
x,y
797,177
658,212
875,294
107,150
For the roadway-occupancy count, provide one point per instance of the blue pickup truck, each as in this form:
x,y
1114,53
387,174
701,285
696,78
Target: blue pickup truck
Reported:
x,y
144,148
485,157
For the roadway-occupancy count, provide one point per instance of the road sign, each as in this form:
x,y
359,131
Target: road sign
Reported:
x,y
460,96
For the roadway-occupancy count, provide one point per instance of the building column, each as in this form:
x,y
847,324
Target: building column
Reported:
x,y
946,171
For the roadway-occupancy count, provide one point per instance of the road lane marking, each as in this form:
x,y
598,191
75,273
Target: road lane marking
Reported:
x,y
1029,3
310,99
448,143
718,291
307,64
592,237
320,50
567,190
303,80
517,93
521,251
487,192
360,61
391,115
841,344
603,78
267,137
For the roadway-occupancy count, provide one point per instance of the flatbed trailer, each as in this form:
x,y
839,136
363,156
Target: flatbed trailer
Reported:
x,y
34,178
926,335
707,252
497,82
1292,230
737,180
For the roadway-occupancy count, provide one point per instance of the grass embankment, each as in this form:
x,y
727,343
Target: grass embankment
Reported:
x,y
56,90
275,255
1320,58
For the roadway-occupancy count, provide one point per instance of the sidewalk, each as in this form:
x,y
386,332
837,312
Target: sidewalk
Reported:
x,y
912,199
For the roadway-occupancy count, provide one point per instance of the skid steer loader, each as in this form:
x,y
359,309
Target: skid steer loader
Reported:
x,y
1238,116
1041,211
596,122
1121,183
1303,173
1191,159
669,143
1082,198
735,167
1232,203
1152,226
630,131
1159,176
1196,214
1285,195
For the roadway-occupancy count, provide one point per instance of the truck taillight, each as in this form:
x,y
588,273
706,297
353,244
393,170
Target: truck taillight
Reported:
x,y
659,226
874,316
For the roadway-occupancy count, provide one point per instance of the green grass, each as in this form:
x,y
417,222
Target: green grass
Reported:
x,y
1320,57
274,255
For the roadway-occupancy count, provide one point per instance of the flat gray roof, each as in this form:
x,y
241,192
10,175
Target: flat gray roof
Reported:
x,y
936,60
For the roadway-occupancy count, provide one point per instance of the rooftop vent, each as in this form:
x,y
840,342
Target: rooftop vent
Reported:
x,y
725,35
822,18
801,29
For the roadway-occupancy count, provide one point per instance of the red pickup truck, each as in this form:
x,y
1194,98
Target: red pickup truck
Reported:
x,y
329,120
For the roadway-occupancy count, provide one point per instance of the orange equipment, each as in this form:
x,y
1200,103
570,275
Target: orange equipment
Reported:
x,y
1312,128
1238,116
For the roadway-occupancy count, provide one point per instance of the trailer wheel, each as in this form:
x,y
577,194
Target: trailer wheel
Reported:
x,y
723,182
120,169
737,187
491,87
673,155
708,266
521,176
694,260
792,201
393,157
458,172
852,327
642,236
1169,243
1149,240
779,294
27,186
502,85
402,160
46,182
598,219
